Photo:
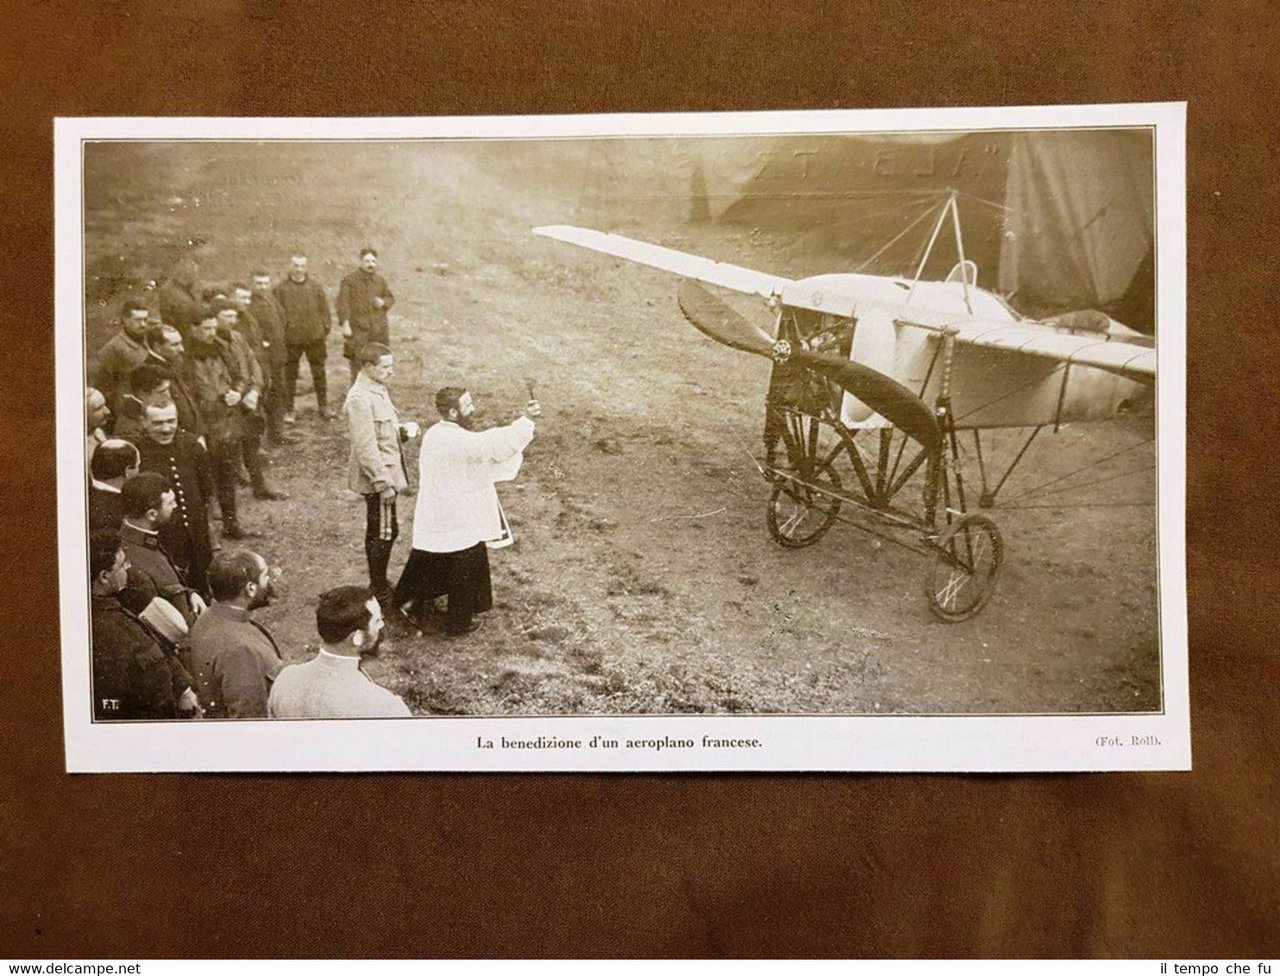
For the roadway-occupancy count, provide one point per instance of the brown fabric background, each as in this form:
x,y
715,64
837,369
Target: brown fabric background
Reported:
x,y
1173,865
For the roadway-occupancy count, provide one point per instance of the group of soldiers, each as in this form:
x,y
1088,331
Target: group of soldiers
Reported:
x,y
228,359
183,398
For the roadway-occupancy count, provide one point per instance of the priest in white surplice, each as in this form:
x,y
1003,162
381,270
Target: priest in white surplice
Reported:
x,y
458,515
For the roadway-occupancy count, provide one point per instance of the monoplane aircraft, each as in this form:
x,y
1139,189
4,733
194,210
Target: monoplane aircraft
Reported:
x,y
908,363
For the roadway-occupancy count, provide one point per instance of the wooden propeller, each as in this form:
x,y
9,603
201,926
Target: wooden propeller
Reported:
x,y
883,394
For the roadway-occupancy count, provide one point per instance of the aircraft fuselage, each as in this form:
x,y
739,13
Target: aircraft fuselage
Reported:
x,y
988,387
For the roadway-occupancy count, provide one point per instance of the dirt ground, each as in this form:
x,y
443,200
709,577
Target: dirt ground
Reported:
x,y
643,579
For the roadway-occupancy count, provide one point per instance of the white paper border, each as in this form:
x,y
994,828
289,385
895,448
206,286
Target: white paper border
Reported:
x,y
871,743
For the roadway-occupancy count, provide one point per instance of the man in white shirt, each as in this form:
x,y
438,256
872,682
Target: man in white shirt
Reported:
x,y
331,684
457,509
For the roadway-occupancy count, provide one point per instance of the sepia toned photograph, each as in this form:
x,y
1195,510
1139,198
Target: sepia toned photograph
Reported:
x,y
624,442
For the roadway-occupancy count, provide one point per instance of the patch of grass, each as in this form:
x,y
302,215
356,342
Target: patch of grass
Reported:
x,y
626,580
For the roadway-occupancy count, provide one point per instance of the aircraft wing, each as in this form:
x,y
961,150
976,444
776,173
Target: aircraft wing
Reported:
x,y
1036,339
1125,359
677,262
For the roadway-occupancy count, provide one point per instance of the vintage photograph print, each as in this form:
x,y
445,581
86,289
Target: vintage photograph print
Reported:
x,y
844,440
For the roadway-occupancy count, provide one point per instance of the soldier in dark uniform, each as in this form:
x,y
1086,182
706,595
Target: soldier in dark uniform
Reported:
x,y
256,424
307,322
181,458
363,301
238,330
135,675
270,318
180,305
214,374
165,348
147,384
114,462
149,501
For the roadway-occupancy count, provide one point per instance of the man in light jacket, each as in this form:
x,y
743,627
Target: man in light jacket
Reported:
x,y
376,469
332,684
121,353
458,511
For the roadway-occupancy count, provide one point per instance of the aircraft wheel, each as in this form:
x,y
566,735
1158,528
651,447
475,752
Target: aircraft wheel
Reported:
x,y
965,570
798,515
